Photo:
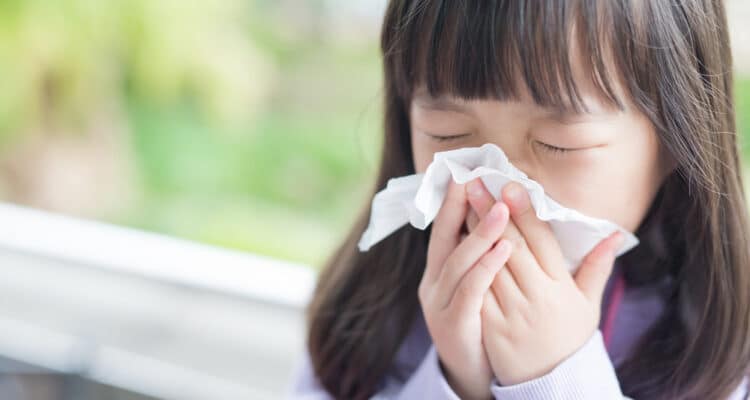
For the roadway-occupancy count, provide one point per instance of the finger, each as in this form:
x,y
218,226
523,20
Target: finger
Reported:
x,y
469,251
479,198
507,291
472,220
522,263
446,228
540,238
468,297
597,266
492,314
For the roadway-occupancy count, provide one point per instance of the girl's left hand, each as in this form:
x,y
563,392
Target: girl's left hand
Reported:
x,y
537,314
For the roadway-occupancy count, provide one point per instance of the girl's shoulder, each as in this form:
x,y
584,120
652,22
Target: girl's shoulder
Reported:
x,y
640,307
413,348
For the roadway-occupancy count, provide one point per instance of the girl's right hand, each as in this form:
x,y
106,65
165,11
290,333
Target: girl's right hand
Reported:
x,y
458,274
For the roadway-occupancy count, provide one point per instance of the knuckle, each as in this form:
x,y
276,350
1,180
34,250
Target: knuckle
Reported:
x,y
550,298
525,212
514,337
463,292
479,273
529,315
519,242
438,235
484,234
483,266
455,261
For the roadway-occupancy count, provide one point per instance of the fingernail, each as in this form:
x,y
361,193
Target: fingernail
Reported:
x,y
474,188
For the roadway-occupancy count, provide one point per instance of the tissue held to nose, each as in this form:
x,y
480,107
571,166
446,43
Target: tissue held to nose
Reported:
x,y
416,199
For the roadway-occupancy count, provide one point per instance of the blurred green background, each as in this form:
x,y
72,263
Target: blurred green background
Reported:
x,y
247,124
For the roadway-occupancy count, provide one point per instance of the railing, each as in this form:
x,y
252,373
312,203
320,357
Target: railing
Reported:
x,y
150,314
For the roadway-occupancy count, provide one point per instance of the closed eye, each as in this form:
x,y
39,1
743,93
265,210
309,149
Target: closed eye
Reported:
x,y
446,138
554,149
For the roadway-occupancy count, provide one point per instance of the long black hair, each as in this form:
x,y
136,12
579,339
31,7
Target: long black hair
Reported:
x,y
673,60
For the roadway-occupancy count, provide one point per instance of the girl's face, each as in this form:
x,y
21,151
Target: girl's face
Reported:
x,y
611,166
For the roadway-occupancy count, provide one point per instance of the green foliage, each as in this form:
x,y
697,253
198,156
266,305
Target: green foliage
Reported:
x,y
62,63
286,184
246,132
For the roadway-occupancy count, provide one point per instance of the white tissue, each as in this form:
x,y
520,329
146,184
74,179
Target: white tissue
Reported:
x,y
417,198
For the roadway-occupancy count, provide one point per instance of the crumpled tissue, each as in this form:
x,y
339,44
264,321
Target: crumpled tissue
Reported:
x,y
417,198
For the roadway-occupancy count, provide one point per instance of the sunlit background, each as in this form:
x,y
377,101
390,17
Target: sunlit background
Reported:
x,y
247,131
246,124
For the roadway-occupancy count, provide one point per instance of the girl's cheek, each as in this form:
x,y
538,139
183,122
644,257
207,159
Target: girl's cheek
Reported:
x,y
580,181
423,154
578,167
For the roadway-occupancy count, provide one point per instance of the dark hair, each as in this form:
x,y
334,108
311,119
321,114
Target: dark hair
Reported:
x,y
674,64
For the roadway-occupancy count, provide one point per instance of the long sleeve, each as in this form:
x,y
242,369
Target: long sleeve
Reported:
x,y
742,392
427,381
304,384
586,374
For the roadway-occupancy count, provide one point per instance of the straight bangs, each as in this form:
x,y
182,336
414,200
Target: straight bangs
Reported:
x,y
501,49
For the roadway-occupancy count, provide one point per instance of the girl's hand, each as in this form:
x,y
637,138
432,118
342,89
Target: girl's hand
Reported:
x,y
457,276
537,314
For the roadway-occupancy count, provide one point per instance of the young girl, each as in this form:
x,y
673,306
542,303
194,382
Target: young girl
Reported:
x,y
622,110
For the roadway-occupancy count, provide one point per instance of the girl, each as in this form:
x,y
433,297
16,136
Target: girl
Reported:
x,y
622,110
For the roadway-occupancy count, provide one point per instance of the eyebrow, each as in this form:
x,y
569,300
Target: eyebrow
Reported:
x,y
441,103
569,116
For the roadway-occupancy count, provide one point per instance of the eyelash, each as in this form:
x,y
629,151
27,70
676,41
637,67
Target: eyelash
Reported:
x,y
557,151
440,138
554,149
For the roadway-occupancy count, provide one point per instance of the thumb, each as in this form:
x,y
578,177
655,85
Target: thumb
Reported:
x,y
596,268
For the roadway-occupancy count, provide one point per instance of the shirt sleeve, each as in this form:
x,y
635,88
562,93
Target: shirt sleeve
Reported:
x,y
304,384
741,392
586,374
427,381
